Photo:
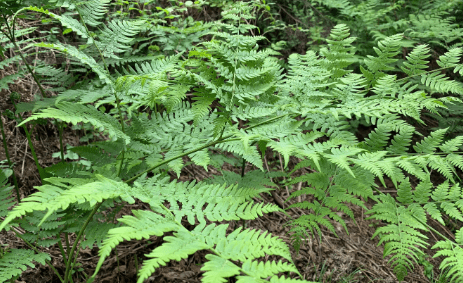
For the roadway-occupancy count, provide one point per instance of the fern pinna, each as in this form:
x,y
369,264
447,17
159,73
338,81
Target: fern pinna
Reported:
x,y
242,103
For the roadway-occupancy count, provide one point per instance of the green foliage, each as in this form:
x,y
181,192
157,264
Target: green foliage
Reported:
x,y
15,261
6,199
162,113
454,256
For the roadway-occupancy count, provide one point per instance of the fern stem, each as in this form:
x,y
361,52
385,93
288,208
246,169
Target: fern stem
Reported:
x,y
74,246
37,251
10,164
60,127
60,245
66,238
72,266
31,146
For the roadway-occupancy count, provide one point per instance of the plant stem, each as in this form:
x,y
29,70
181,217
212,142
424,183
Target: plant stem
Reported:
x,y
60,245
60,127
10,164
31,146
74,247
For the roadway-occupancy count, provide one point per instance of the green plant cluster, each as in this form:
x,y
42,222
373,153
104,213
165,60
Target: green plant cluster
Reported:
x,y
167,91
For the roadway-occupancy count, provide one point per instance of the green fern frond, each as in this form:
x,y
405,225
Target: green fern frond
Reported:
x,y
339,52
429,144
255,179
453,261
451,59
92,11
416,63
75,113
378,139
116,36
239,245
401,142
144,225
387,49
9,79
438,82
8,61
402,238
82,57
93,154
452,145
249,153
6,199
47,234
96,233
15,261
340,157
66,21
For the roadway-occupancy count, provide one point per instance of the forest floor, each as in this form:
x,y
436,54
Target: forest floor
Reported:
x,y
345,257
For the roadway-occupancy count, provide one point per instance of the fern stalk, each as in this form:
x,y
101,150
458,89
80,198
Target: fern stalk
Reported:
x,y
5,146
31,146
60,127
74,247
63,254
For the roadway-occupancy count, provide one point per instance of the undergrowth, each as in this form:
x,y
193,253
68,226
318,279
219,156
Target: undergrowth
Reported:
x,y
216,90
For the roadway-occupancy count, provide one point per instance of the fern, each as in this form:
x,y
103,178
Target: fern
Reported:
x,y
183,242
15,261
402,235
230,94
75,113
5,191
454,256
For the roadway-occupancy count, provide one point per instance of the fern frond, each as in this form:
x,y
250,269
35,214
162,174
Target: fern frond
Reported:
x,y
437,82
242,148
415,63
116,36
4,81
340,157
451,59
339,52
92,11
402,238
401,142
82,57
75,113
6,199
429,144
387,49
453,261
15,261
96,233
66,21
